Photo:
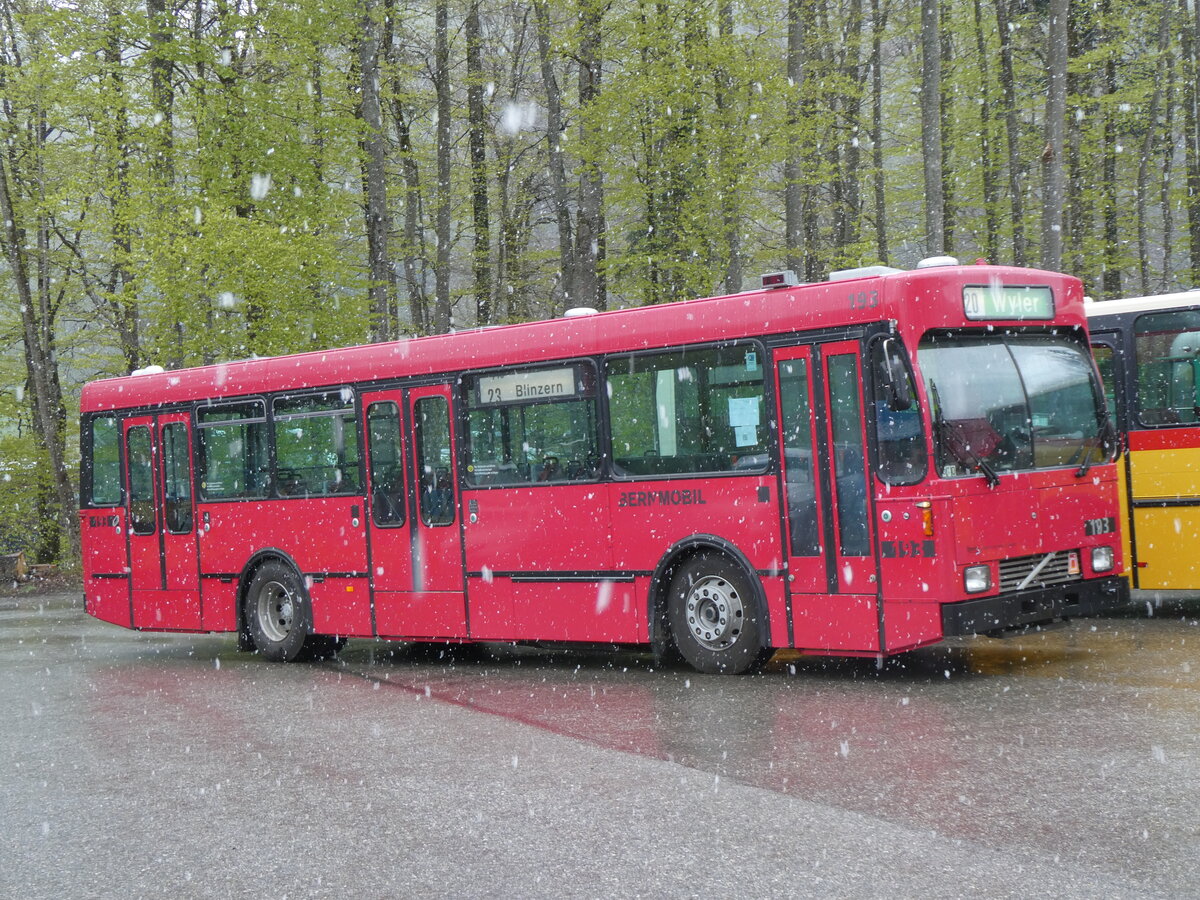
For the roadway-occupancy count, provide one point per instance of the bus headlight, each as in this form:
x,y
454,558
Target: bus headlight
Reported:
x,y
977,579
1102,559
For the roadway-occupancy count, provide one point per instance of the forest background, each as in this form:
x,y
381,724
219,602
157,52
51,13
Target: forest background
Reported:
x,y
192,182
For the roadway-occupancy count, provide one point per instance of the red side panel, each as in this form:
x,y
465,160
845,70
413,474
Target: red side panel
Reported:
x,y
428,614
220,605
583,611
105,570
836,622
320,534
341,606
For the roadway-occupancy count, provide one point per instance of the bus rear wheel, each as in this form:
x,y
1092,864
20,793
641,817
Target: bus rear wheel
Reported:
x,y
714,616
278,614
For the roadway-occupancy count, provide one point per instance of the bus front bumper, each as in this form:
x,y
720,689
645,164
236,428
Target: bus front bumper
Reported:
x,y
1008,612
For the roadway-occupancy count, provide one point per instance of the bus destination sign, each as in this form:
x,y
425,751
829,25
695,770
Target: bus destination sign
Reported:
x,y
541,384
1008,301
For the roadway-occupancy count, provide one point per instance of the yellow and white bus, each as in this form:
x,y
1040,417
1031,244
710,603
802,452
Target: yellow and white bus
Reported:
x,y
1148,353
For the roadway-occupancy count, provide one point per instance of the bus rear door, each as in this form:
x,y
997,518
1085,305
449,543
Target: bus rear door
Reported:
x,y
832,574
415,546
161,516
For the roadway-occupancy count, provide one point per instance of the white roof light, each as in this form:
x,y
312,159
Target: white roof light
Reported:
x,y
576,311
932,262
862,272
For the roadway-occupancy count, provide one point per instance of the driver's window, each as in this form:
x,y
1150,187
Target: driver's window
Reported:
x,y
899,435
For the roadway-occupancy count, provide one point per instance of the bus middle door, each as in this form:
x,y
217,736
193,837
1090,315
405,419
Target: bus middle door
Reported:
x,y
832,577
415,545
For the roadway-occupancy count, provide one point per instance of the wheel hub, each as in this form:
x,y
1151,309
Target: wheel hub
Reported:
x,y
714,613
276,610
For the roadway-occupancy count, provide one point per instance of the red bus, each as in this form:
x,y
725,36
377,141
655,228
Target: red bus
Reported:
x,y
855,467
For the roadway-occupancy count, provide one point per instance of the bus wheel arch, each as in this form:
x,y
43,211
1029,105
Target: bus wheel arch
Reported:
x,y
275,617
708,607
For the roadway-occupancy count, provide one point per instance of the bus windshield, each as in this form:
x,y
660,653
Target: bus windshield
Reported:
x,y
1002,403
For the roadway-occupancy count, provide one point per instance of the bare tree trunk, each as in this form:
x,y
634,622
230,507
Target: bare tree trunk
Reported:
x,y
38,330
1167,147
728,182
161,146
1055,128
382,286
1081,33
476,139
558,174
798,25
1012,132
931,127
878,23
987,157
414,237
1148,141
441,84
849,209
1111,277
1191,127
162,91
589,222
120,300
946,107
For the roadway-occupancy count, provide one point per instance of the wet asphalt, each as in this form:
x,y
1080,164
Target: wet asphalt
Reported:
x,y
1058,764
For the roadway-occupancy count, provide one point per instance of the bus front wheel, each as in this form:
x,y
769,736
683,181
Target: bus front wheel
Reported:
x,y
278,615
714,616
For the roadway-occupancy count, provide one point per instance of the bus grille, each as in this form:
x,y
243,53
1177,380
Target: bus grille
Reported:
x,y
1056,571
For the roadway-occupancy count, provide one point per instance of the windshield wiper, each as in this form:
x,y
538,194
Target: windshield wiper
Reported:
x,y
954,445
988,472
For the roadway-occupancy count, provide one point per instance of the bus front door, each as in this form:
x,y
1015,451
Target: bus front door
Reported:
x,y
163,562
832,580
416,550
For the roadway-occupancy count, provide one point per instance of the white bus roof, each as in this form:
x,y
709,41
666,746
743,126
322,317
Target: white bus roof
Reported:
x,y
1095,308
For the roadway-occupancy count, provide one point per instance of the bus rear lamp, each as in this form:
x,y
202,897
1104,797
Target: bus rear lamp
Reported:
x,y
977,579
1102,559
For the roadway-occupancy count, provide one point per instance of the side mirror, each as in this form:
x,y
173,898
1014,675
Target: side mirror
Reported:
x,y
1110,439
896,384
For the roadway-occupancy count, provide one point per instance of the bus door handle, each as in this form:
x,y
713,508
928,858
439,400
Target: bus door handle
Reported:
x,y
207,522
354,515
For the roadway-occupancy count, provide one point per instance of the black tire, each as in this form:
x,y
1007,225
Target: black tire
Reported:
x,y
278,613
715,617
322,646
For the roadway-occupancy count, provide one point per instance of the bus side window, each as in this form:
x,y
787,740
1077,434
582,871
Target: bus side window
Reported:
x,y
1168,348
798,471
539,426
233,457
850,486
104,462
316,445
387,473
177,479
141,480
432,426
688,411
